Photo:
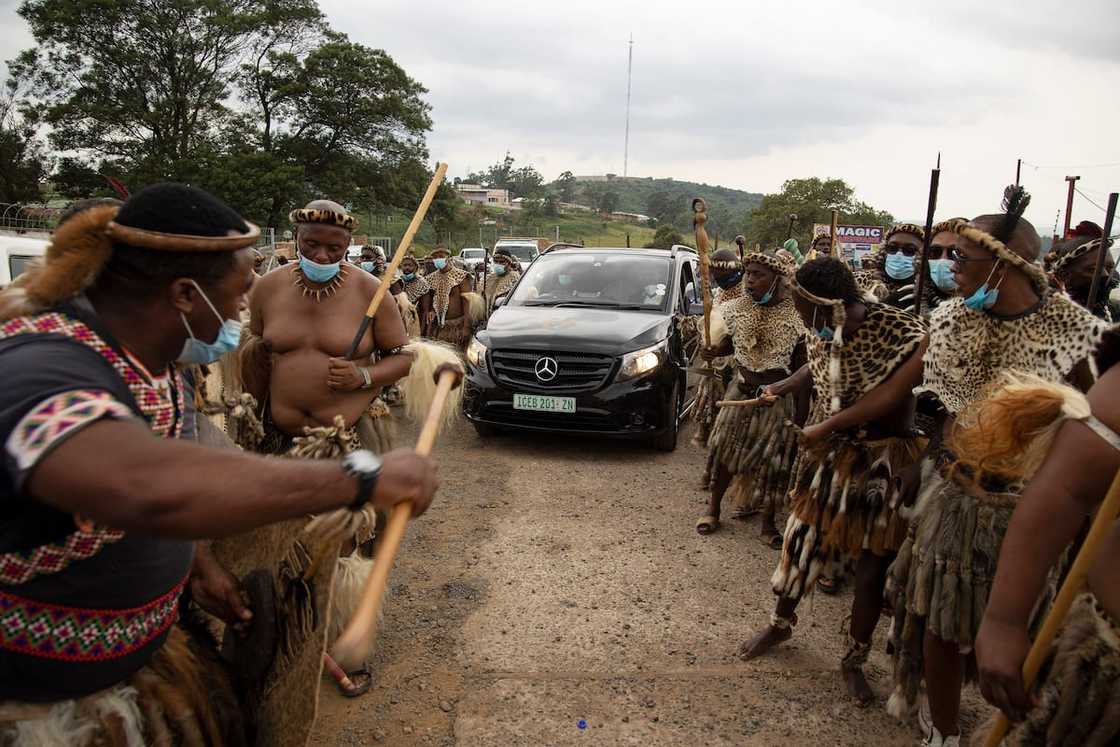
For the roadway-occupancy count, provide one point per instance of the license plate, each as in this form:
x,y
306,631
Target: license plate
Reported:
x,y
537,403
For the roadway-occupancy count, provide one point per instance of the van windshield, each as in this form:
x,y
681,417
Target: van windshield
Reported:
x,y
595,280
523,252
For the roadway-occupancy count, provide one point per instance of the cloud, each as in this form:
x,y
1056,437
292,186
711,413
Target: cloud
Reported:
x,y
749,93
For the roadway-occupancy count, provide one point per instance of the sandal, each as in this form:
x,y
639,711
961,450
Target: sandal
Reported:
x,y
830,586
773,540
707,524
361,680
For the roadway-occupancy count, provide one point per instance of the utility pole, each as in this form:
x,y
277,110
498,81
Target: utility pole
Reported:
x,y
629,75
1069,202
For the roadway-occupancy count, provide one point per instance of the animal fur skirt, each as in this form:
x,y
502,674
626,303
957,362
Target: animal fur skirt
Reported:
x,y
842,501
1079,687
943,574
183,696
758,448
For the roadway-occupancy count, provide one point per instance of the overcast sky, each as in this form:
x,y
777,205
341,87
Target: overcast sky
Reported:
x,y
748,94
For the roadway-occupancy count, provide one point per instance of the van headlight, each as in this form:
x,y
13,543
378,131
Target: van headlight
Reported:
x,y
641,362
476,354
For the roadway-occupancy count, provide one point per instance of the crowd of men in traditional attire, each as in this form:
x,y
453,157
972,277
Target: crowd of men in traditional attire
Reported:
x,y
944,461
910,446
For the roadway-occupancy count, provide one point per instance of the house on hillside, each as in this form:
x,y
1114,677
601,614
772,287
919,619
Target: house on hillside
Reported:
x,y
478,195
631,217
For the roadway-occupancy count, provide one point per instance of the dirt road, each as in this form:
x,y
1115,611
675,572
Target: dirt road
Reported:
x,y
557,594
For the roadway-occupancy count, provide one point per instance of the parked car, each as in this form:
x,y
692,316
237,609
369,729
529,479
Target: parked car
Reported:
x,y
17,252
524,250
588,342
473,258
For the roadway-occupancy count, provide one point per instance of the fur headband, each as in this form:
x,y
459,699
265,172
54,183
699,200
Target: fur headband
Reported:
x,y
910,228
776,263
1032,270
1055,263
324,216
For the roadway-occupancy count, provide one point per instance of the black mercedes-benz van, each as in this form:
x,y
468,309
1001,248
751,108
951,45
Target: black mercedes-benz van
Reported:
x,y
590,341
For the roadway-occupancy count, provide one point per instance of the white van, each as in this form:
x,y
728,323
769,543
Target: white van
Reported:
x,y
17,251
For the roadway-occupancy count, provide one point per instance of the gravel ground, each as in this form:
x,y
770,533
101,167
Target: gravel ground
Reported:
x,y
557,593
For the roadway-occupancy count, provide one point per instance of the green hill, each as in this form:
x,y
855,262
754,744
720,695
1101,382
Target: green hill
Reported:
x,y
671,200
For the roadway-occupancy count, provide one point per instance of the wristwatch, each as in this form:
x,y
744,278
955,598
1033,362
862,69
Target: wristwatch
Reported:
x,y
366,467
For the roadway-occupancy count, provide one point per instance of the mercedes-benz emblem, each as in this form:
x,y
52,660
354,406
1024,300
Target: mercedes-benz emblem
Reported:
x,y
546,369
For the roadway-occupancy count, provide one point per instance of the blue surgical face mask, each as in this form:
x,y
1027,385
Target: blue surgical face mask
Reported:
x,y
984,297
769,294
825,332
316,272
440,263
941,271
409,276
899,266
731,280
499,269
197,351
369,266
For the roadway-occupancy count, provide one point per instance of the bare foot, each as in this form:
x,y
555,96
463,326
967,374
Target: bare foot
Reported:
x,y
857,686
764,641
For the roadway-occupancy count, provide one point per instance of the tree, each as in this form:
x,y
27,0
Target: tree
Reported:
x,y
23,165
665,237
608,201
565,186
195,90
526,182
812,200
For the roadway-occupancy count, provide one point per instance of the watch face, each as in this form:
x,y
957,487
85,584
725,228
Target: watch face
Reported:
x,y
364,461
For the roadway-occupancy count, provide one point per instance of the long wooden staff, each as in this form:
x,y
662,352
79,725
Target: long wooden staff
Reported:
x,y
931,208
398,257
1109,215
833,229
699,218
358,636
1074,582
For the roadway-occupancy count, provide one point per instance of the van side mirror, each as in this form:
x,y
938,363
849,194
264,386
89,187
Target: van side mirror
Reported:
x,y
500,301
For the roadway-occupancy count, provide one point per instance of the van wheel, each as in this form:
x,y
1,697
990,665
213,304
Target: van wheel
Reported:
x,y
484,430
667,439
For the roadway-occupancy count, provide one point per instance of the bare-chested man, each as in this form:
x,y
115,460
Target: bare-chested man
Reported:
x,y
454,306
303,320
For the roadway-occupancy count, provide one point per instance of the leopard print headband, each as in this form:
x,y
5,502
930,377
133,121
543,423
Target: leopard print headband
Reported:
x,y
1055,264
911,228
322,215
965,229
781,266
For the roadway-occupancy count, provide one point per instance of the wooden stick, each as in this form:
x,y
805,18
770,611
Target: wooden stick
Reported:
x,y
699,218
1074,582
358,636
833,225
744,402
398,257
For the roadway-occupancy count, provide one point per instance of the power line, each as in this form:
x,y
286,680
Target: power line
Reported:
x,y
1036,167
1090,200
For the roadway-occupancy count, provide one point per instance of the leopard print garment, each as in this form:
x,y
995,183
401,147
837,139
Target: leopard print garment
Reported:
x,y
442,284
728,295
764,336
498,286
886,338
872,283
968,350
416,288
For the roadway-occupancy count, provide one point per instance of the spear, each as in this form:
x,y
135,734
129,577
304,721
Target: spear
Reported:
x,y
402,250
1109,215
833,228
931,208
699,218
